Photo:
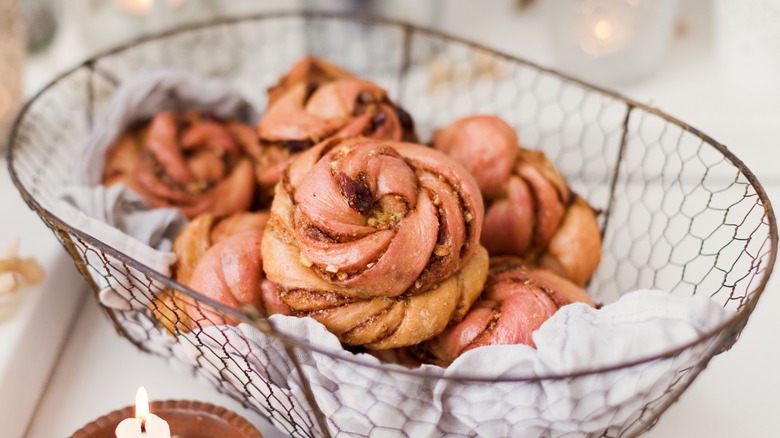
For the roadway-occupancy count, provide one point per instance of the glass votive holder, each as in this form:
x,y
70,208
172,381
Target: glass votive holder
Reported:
x,y
109,23
41,20
12,54
609,42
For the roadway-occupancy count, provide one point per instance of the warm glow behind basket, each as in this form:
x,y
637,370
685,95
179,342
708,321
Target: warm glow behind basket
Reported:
x,y
680,212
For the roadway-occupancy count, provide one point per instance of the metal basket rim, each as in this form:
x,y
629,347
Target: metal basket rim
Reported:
x,y
736,321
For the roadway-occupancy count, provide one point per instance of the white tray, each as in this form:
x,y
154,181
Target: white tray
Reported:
x,y
31,338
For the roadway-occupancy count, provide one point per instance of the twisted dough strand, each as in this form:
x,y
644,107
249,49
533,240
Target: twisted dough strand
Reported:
x,y
188,161
316,101
376,240
530,210
517,300
220,259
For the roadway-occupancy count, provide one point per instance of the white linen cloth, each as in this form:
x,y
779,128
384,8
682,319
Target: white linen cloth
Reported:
x,y
362,399
116,215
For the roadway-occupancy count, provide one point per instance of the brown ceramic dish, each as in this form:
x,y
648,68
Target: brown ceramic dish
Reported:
x,y
188,419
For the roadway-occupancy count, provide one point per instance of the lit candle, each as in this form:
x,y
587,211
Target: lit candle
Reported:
x,y
609,42
603,28
145,424
12,54
137,7
143,7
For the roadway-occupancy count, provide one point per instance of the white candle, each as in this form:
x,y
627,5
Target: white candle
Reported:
x,y
137,7
603,28
129,428
145,424
144,7
154,427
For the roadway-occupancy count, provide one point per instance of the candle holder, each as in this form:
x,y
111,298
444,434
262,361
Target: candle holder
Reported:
x,y
609,42
187,419
107,23
12,55
41,19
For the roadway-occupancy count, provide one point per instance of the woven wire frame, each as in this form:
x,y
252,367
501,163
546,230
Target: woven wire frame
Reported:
x,y
680,213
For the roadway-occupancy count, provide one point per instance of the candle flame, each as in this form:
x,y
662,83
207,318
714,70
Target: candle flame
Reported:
x,y
141,404
603,29
137,7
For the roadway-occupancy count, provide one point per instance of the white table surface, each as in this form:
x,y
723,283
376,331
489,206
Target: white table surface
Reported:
x,y
34,330
735,396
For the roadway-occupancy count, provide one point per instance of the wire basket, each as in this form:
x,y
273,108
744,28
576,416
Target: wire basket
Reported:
x,y
680,212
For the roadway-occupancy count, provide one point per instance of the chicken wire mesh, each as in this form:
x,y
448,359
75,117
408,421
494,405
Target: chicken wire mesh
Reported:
x,y
678,212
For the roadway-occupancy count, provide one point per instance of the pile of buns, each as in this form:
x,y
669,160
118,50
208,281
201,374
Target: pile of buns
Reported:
x,y
330,208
